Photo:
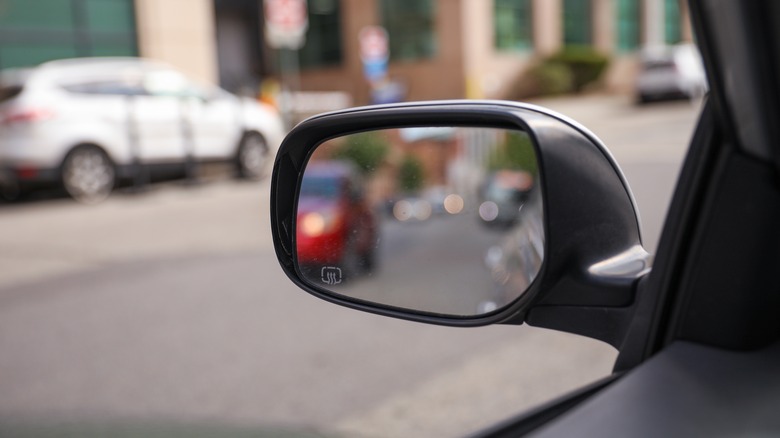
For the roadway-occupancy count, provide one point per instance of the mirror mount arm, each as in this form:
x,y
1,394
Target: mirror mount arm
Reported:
x,y
606,324
605,320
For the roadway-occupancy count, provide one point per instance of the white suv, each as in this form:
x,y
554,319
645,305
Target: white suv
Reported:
x,y
671,72
87,123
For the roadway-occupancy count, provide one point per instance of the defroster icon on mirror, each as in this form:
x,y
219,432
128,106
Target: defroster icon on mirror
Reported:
x,y
331,275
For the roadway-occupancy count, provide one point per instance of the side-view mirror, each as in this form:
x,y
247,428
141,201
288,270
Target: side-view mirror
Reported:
x,y
471,213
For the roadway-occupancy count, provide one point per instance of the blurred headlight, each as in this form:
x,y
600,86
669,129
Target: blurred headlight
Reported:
x,y
453,204
422,210
317,223
488,211
403,210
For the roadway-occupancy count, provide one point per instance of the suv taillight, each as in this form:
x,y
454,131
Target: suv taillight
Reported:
x,y
26,116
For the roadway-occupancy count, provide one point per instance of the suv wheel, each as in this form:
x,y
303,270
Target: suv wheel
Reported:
x,y
252,157
88,174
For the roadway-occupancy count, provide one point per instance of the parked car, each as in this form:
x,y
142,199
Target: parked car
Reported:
x,y
337,230
87,123
696,325
670,72
502,195
514,262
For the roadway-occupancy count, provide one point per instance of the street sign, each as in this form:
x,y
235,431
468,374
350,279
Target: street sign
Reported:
x,y
373,44
374,52
286,22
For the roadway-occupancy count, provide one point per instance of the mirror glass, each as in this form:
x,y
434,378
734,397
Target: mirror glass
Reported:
x,y
443,220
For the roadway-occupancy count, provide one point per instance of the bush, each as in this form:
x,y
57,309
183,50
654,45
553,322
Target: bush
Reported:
x,y
411,174
586,64
549,78
516,153
366,149
570,70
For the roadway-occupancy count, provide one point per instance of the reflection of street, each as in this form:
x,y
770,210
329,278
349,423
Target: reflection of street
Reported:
x,y
437,181
436,264
452,264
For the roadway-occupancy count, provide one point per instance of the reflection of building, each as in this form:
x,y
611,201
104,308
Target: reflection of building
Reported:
x,y
438,48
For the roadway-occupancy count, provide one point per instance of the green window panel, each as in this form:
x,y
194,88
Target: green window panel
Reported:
x,y
628,19
25,56
577,23
323,37
36,14
35,31
672,30
114,50
410,27
513,25
115,16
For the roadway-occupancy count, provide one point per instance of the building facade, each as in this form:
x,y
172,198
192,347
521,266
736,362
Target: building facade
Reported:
x,y
443,49
438,49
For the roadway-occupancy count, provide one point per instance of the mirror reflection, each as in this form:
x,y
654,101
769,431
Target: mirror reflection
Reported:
x,y
444,220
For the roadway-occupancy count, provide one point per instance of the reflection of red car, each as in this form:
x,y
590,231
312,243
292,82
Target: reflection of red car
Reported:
x,y
335,225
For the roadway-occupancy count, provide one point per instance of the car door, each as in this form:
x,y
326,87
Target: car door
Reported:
x,y
159,118
179,120
99,111
215,121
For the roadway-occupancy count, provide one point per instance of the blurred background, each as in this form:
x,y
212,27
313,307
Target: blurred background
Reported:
x,y
159,304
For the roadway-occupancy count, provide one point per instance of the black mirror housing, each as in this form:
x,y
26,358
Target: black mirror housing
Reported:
x,y
593,252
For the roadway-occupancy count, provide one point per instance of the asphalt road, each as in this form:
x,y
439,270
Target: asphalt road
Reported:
x,y
169,307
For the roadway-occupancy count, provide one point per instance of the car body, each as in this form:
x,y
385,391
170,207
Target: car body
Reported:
x,y
515,261
696,324
670,72
502,196
121,117
331,204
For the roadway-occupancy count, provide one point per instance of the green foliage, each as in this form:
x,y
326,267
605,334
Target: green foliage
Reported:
x,y
550,78
516,153
585,63
570,70
366,149
411,174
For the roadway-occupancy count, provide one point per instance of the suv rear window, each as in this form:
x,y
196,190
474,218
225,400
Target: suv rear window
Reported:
x,y
665,64
123,88
9,92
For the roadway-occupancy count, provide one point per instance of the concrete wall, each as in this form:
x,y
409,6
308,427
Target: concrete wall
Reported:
x,y
489,73
181,33
548,28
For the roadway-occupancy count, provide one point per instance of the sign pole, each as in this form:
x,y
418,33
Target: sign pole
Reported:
x,y
286,22
290,72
